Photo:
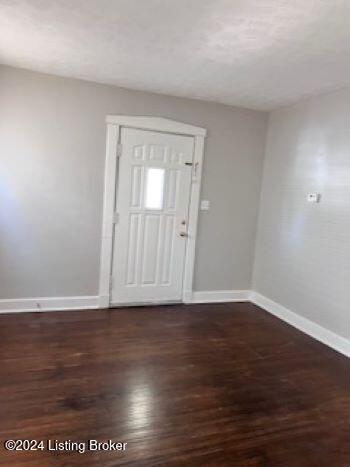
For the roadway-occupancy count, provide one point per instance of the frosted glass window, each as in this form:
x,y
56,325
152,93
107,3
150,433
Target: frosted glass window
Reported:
x,y
154,188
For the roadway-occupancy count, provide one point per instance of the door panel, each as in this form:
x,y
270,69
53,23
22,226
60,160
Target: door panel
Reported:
x,y
150,249
152,202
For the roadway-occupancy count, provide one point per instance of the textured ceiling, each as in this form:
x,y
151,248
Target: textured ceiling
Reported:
x,y
254,53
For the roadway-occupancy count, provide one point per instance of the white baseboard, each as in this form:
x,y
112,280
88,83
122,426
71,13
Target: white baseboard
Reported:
x,y
93,302
329,338
48,304
217,296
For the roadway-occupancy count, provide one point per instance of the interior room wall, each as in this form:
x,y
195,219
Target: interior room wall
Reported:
x,y
52,153
303,249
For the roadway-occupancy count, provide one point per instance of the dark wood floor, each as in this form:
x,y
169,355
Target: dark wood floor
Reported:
x,y
213,385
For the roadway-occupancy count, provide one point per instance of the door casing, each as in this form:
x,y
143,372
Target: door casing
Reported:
x,y
114,125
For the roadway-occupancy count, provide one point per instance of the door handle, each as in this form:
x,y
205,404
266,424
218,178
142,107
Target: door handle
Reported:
x,y
183,234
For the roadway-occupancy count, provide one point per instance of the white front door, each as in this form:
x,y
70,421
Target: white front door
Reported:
x,y
153,195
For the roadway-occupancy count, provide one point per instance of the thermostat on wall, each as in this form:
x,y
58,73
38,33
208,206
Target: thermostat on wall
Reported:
x,y
314,197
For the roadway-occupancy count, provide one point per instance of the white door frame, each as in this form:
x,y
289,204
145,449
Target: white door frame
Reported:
x,y
114,125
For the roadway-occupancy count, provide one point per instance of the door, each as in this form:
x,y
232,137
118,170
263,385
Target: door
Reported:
x,y
153,195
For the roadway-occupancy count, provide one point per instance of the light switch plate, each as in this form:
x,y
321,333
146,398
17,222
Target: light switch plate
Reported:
x,y
205,205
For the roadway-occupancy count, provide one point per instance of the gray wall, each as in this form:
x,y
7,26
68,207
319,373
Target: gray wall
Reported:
x,y
52,150
303,250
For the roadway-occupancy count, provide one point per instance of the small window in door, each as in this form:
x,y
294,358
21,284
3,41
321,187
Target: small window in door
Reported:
x,y
154,188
